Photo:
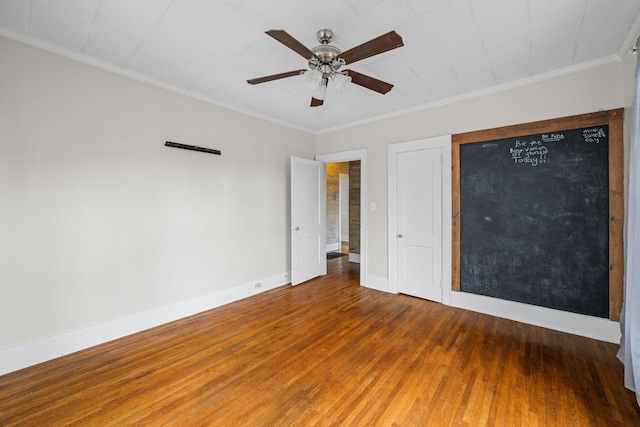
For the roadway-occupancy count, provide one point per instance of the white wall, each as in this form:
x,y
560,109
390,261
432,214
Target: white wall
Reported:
x,y
629,61
100,221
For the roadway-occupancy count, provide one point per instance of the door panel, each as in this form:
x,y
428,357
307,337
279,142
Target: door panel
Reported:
x,y
419,223
308,259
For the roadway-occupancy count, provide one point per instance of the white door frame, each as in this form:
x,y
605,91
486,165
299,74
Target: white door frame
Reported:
x,y
349,156
443,142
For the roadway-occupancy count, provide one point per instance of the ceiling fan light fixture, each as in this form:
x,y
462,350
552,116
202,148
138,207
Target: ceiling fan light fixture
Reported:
x,y
312,78
320,91
340,81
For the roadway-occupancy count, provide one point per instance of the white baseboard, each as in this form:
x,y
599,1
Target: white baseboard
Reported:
x,y
563,321
577,324
378,283
333,247
354,258
34,352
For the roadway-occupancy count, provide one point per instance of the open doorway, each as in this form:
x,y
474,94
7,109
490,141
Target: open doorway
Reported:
x,y
358,201
342,213
343,210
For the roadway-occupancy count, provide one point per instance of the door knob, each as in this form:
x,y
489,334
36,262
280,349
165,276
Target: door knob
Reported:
x,y
297,228
399,236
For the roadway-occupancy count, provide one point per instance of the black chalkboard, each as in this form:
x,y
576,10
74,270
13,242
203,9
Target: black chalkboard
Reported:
x,y
534,224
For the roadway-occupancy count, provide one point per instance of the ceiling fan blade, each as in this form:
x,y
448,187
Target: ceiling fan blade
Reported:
x,y
369,82
275,77
385,42
316,102
287,39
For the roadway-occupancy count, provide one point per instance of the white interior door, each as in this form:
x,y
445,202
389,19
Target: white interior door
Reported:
x,y
419,223
308,186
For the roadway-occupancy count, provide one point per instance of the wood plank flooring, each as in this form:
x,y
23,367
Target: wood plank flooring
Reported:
x,y
329,353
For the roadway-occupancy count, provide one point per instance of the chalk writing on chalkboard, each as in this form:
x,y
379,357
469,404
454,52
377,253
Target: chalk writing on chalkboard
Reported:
x,y
534,219
529,152
594,135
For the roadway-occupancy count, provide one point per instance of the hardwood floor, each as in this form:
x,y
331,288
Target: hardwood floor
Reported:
x,y
325,353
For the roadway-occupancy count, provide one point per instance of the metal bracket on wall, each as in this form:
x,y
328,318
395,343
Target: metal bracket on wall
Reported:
x,y
192,147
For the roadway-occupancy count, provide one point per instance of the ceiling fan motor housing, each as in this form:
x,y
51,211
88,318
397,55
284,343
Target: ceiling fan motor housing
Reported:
x,y
326,60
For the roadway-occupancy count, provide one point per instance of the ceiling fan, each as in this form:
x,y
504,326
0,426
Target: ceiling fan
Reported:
x,y
326,60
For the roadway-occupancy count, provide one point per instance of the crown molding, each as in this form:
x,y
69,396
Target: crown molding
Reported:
x,y
32,41
481,92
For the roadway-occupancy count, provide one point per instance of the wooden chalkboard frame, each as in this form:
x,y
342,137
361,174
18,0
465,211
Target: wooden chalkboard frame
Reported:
x,y
612,118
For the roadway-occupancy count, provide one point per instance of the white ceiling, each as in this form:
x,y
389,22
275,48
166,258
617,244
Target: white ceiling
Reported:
x,y
209,48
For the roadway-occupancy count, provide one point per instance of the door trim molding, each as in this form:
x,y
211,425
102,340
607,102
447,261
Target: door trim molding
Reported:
x,y
443,142
349,156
